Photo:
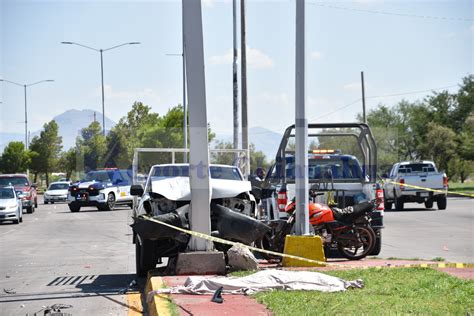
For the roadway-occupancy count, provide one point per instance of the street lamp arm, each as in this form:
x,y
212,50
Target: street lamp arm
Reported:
x,y
18,84
130,43
47,80
85,46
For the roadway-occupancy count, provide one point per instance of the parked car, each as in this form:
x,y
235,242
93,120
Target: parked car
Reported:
x,y
10,205
347,177
406,179
21,183
56,192
167,197
104,189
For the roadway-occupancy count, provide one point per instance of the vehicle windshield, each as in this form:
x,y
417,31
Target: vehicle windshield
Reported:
x,y
416,167
320,167
58,186
15,181
6,193
120,177
217,172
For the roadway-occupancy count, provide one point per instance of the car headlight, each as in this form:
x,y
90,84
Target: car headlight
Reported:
x,y
10,207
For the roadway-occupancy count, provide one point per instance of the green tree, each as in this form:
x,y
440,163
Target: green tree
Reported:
x,y
47,148
92,146
68,161
14,158
441,146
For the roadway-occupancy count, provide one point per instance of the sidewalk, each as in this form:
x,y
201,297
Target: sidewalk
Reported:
x,y
244,305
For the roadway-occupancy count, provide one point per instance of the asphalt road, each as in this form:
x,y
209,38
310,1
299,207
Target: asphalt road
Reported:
x,y
86,259
82,259
422,233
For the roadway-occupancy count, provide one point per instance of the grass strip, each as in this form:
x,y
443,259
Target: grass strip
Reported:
x,y
387,291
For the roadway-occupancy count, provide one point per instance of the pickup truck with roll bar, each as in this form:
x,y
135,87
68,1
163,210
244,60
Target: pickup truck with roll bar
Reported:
x,y
344,175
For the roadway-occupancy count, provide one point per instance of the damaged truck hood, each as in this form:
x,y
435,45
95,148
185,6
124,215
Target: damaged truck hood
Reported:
x,y
178,188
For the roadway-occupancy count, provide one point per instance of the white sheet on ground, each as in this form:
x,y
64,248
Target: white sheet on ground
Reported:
x,y
265,280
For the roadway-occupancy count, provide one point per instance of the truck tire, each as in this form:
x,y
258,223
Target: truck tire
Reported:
x,y
387,205
442,202
378,244
399,204
145,258
429,203
36,202
30,209
73,207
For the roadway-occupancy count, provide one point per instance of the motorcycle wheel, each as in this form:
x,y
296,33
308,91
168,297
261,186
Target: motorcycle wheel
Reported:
x,y
360,245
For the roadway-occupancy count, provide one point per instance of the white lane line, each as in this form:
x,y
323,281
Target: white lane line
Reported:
x,y
7,232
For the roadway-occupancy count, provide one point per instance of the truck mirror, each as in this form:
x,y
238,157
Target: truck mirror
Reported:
x,y
136,190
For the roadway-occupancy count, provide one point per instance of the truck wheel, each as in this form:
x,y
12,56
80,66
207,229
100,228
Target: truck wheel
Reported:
x,y
441,203
387,205
36,202
429,203
398,204
74,207
30,209
145,258
378,244
110,204
45,202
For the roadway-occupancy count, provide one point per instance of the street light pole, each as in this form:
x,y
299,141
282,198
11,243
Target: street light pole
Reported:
x,y
101,70
26,103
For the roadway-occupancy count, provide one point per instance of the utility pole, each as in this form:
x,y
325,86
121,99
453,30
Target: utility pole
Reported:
x,y
200,213
185,108
363,96
301,125
234,79
243,73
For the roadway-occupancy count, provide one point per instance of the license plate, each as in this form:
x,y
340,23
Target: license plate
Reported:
x,y
82,197
424,194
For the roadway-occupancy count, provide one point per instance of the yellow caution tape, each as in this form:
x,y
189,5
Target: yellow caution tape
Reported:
x,y
232,243
428,189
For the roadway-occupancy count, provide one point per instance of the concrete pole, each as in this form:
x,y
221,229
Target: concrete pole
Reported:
x,y
243,51
301,124
185,108
234,78
363,96
200,214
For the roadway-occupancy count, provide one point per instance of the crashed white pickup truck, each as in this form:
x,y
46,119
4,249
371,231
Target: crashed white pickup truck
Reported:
x,y
166,197
406,181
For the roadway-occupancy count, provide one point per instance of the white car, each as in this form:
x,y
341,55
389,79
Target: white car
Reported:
x,y
10,205
57,192
104,189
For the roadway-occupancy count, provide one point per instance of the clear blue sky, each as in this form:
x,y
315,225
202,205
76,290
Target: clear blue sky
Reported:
x,y
397,53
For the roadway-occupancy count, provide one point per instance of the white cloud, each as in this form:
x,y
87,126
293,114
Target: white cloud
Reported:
x,y
316,55
353,86
208,3
145,95
256,59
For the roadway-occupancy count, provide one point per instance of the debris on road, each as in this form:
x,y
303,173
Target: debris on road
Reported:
x,y
9,291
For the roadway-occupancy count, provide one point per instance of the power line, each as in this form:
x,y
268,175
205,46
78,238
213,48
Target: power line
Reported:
x,y
331,6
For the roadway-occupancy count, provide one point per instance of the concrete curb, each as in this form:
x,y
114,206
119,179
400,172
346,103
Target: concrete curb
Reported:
x,y
157,304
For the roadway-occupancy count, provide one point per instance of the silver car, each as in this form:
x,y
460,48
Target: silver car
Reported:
x,y
10,205
57,192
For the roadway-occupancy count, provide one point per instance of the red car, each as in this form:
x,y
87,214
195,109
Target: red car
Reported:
x,y
21,183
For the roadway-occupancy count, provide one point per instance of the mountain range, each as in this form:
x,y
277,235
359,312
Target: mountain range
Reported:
x,y
72,121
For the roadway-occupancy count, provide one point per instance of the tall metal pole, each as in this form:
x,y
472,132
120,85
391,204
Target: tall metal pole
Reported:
x,y
234,79
363,96
301,125
185,108
26,120
103,101
243,51
200,213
